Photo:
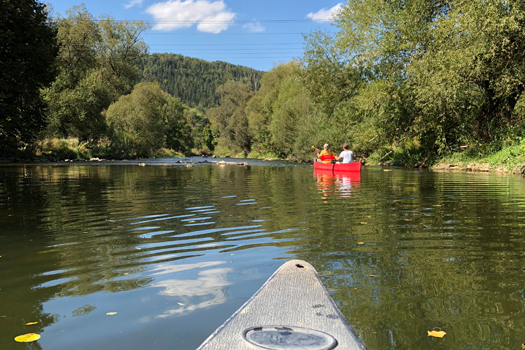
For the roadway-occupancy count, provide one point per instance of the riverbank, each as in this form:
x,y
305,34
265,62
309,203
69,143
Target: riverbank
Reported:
x,y
509,160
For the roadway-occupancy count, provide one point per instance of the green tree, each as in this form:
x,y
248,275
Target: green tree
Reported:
x,y
97,63
147,120
28,48
280,113
230,117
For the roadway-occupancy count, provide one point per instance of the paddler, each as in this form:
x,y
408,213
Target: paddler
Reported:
x,y
347,156
326,156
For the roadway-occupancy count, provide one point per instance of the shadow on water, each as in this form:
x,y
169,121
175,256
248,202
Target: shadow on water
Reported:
x,y
174,250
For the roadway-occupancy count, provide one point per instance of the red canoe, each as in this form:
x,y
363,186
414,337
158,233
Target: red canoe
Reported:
x,y
354,166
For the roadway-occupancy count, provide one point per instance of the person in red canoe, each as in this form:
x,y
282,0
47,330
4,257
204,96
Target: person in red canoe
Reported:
x,y
347,156
325,155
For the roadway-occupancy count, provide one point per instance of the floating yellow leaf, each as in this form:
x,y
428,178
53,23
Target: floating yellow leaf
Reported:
x,y
372,275
436,205
192,221
436,334
363,223
366,217
387,170
111,313
27,338
180,304
31,323
360,242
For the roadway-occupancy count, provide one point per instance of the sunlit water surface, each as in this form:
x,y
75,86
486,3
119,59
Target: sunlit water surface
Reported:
x,y
174,250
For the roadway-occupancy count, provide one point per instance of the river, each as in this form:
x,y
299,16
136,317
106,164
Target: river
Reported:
x,y
123,255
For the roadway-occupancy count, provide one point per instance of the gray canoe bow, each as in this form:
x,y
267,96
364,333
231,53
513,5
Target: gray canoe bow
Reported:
x,y
292,311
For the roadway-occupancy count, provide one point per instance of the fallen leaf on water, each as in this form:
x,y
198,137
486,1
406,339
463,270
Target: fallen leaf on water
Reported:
x,y
355,288
31,323
360,242
181,304
436,205
27,338
366,217
372,275
111,313
387,170
191,221
436,334
363,223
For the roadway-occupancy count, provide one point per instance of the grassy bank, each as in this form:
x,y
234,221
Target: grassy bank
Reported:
x,y
61,149
510,159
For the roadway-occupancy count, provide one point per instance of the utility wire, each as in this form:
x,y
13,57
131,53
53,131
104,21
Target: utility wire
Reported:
x,y
156,33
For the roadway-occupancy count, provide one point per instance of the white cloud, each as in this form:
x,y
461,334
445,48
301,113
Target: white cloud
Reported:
x,y
254,27
325,15
132,3
210,16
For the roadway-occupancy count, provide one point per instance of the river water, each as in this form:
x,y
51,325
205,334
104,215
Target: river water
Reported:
x,y
172,250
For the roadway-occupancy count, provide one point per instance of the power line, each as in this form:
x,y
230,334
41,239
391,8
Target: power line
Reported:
x,y
215,50
241,21
225,22
155,33
191,45
220,58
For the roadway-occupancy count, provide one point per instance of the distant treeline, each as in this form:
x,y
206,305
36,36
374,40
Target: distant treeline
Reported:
x,y
192,80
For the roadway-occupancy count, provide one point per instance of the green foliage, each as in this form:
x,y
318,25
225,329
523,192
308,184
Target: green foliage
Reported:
x,y
510,158
204,133
280,112
230,117
195,81
60,149
147,120
97,64
28,47
178,130
454,69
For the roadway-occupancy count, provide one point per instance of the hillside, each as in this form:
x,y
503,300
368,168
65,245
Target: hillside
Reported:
x,y
193,80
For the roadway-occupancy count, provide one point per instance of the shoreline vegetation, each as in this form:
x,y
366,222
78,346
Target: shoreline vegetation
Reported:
x,y
411,83
510,160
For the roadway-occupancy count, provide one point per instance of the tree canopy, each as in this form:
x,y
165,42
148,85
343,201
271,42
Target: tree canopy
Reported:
x,y
28,47
146,120
97,64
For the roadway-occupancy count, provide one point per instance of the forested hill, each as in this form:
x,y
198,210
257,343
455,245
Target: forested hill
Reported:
x,y
193,80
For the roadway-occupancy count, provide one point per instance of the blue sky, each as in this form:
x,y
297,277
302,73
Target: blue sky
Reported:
x,y
257,34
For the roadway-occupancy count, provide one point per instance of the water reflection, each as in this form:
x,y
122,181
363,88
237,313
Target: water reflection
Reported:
x,y
340,183
207,290
175,251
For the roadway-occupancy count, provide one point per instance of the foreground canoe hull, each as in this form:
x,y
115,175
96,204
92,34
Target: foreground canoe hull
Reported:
x,y
293,300
346,167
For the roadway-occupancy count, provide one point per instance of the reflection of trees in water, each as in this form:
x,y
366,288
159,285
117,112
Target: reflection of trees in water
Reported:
x,y
438,253
446,249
